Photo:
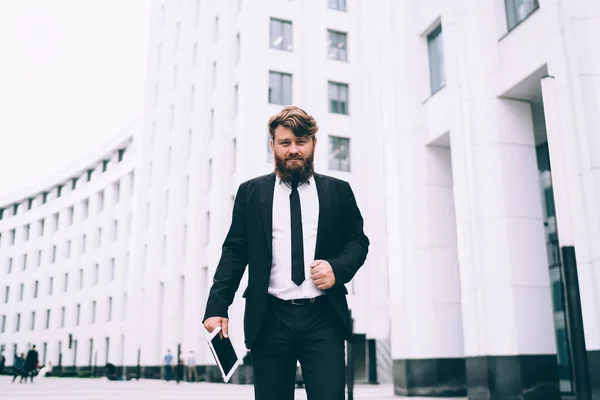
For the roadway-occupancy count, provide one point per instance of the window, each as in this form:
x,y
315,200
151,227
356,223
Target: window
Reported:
x,y
121,154
238,48
195,54
39,258
99,237
207,232
112,269
71,214
74,183
59,191
339,5
9,266
53,254
234,155
50,286
30,203
105,164
80,278
96,273
83,243
115,230
27,231
93,315
339,153
90,174
216,30
281,35
16,209
68,248
100,201
41,227
174,77
86,208
209,175
63,311
337,46
56,221
212,122
214,74
3,324
6,294
172,119
338,98
44,197
235,99
18,322
24,262
109,313
32,327
77,314
280,88
518,10
184,240
66,282
436,59
21,291
13,234
48,319
36,286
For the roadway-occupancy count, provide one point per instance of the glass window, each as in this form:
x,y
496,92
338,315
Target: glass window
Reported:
x,y
281,35
339,153
338,98
518,10
280,88
337,49
436,59
339,5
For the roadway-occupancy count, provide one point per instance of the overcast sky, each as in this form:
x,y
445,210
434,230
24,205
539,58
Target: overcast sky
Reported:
x,y
71,77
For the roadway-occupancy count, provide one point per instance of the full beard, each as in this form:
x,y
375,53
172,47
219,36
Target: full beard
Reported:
x,y
300,171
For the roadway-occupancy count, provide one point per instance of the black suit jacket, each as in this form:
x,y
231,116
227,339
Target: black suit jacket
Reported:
x,y
340,241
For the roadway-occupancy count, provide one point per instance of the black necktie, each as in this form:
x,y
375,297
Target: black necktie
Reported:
x,y
297,245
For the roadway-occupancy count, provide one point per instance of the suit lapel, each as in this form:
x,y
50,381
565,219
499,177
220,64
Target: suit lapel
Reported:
x,y
267,188
324,200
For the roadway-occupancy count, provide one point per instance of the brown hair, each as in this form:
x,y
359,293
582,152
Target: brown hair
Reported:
x,y
296,119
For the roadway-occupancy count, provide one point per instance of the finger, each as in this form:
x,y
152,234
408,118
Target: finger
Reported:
x,y
315,263
225,328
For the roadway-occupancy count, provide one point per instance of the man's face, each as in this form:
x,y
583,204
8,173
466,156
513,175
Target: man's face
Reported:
x,y
293,155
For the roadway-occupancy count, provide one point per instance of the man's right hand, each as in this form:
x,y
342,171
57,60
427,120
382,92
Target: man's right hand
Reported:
x,y
211,324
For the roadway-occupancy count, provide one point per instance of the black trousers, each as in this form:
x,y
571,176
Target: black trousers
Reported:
x,y
311,334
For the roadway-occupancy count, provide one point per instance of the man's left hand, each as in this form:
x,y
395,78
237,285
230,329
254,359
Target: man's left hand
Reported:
x,y
322,274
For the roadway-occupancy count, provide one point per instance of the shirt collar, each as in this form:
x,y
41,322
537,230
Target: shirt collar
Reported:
x,y
279,181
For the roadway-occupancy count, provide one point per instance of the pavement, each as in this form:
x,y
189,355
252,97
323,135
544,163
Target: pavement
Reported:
x,y
103,389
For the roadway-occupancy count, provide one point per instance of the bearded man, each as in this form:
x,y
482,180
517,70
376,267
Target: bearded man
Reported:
x,y
301,235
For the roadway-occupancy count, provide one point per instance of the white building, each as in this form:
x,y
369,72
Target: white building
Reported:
x,y
475,216
64,250
216,72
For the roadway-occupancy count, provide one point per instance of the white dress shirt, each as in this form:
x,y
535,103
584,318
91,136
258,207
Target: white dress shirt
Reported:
x,y
280,284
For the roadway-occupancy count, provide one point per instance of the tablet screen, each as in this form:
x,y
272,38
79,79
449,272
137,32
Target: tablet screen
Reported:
x,y
225,353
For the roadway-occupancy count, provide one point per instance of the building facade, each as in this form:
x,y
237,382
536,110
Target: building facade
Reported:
x,y
216,72
64,252
491,150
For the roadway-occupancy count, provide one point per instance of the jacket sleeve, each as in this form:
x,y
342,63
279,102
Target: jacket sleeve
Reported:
x,y
234,258
353,255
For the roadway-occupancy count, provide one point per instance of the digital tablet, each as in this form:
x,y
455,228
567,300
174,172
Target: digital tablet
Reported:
x,y
224,354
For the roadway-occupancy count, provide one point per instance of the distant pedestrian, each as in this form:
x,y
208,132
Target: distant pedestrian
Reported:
x,y
19,366
179,369
31,363
2,363
168,367
191,367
